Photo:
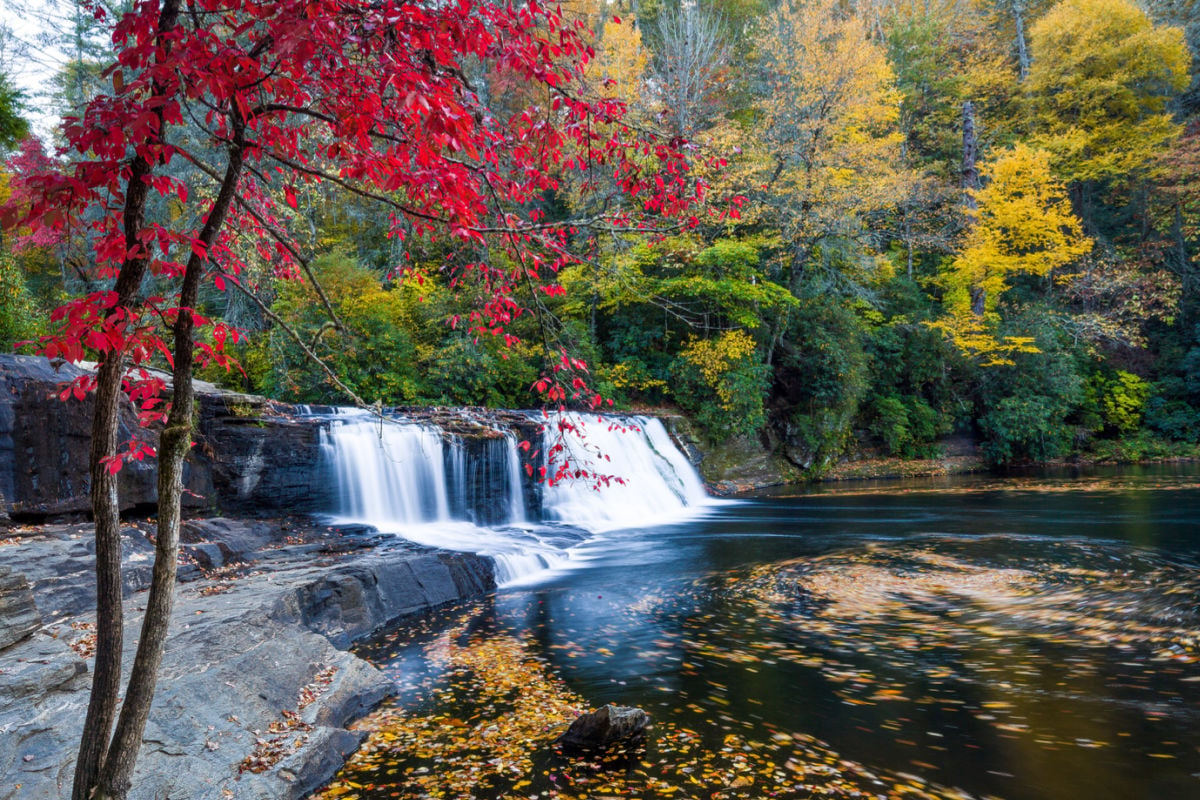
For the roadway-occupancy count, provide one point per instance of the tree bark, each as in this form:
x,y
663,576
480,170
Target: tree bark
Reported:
x,y
969,180
970,185
106,510
1023,60
174,445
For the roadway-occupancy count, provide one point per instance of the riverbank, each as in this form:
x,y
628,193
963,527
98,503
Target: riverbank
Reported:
x,y
257,686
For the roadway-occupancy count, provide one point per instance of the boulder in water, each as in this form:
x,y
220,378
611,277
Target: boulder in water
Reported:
x,y
605,727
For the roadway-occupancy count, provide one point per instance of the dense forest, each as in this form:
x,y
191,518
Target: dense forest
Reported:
x,y
948,217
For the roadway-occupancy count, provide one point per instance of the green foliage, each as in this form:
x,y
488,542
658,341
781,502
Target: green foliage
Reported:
x,y
1120,398
722,383
821,377
376,355
20,318
1142,446
1032,410
1025,428
472,371
13,125
933,84
908,426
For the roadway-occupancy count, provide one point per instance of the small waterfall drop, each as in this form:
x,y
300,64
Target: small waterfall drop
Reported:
x,y
387,473
651,480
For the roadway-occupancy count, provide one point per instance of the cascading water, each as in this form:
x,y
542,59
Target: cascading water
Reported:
x,y
650,480
469,493
387,473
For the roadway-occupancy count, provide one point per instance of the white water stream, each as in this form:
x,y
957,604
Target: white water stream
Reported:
x,y
416,482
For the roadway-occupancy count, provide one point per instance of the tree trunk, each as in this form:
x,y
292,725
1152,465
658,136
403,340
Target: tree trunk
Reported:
x,y
174,445
1023,60
106,510
969,180
970,185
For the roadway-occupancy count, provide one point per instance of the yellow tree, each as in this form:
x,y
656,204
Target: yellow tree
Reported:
x,y
824,152
1023,225
1098,88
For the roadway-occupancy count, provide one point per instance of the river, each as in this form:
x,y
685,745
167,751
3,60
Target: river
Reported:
x,y
1033,638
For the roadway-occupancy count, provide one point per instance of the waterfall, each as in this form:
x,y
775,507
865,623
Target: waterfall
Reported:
x,y
388,473
468,492
651,480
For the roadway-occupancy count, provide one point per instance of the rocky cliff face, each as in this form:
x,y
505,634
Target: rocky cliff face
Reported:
x,y
252,456
43,442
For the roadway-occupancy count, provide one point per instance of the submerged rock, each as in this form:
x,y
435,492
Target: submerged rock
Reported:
x,y
604,727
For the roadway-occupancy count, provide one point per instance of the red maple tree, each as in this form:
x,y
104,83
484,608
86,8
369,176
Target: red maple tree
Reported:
x,y
191,167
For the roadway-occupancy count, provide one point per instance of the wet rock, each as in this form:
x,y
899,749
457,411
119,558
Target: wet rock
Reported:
x,y
738,464
256,457
605,727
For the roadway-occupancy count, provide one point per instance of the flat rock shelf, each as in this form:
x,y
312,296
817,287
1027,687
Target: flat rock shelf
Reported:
x,y
256,687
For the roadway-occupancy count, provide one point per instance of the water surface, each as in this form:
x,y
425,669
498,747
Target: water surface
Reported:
x,y
1028,639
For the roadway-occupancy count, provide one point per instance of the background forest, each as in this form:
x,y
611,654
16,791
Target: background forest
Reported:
x,y
977,218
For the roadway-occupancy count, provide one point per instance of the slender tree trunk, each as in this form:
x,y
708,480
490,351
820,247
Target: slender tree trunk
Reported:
x,y
1023,60
174,445
970,185
106,677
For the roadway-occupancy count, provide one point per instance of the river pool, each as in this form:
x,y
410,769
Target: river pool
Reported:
x,y
1020,638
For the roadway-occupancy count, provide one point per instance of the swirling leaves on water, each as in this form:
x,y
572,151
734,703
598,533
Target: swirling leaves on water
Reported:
x,y
487,726
1028,624
926,661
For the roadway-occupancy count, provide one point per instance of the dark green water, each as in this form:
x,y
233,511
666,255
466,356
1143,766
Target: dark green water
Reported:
x,y
1027,639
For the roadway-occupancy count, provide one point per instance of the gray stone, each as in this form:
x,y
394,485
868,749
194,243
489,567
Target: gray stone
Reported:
x,y
235,660
19,616
206,556
235,539
44,440
605,727
59,562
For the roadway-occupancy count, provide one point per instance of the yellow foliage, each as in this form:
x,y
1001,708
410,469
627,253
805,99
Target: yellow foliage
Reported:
x,y
715,358
824,148
1098,90
620,56
975,337
1023,225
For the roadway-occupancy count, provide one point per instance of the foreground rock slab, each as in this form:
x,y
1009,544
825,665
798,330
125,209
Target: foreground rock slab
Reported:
x,y
256,687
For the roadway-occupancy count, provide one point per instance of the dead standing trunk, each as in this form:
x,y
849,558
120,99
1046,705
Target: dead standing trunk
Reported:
x,y
1023,60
